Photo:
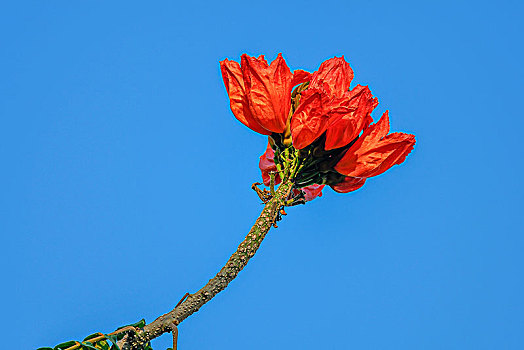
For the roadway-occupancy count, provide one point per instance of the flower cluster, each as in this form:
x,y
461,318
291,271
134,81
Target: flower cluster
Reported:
x,y
321,132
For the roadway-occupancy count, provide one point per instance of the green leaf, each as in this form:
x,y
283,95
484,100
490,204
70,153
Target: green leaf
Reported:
x,y
113,339
94,335
65,345
103,345
88,345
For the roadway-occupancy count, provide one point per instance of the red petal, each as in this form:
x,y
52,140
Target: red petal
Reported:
x,y
343,130
326,100
349,184
267,165
375,151
313,115
300,76
232,75
262,59
268,90
336,73
310,119
312,191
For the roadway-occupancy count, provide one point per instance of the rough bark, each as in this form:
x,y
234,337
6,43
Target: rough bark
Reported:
x,y
245,251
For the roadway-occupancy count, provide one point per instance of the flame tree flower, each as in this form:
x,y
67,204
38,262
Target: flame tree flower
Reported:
x,y
320,132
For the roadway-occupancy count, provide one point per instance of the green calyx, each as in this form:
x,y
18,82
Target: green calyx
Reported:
x,y
308,166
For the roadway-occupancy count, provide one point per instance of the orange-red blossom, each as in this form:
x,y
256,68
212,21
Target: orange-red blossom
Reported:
x,y
324,125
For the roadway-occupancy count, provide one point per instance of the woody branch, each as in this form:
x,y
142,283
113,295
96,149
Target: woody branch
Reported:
x,y
245,251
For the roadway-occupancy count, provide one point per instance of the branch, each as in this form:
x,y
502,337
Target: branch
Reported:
x,y
245,251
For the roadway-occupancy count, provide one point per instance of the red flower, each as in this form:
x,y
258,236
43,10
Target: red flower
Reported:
x,y
260,94
322,132
375,151
329,106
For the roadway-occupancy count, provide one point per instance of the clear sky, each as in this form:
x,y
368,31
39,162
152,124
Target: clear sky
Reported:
x,y
126,180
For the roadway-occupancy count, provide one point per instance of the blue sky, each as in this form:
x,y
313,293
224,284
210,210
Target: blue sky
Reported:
x,y
126,179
